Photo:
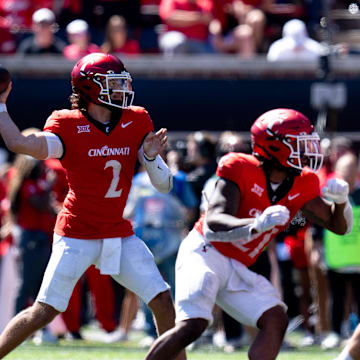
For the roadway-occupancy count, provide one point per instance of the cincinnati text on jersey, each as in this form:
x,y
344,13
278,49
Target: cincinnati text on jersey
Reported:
x,y
106,151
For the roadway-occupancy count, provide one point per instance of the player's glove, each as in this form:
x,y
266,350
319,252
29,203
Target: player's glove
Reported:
x,y
336,190
271,217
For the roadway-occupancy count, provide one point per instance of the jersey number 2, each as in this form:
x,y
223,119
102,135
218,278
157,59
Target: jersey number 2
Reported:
x,y
116,167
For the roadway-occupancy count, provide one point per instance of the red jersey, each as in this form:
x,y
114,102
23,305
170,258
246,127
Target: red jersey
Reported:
x,y
245,171
99,161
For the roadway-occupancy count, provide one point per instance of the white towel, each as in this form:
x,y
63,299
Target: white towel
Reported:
x,y
109,263
241,277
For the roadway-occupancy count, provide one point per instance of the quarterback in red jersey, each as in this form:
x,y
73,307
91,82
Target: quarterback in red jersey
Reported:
x,y
98,143
255,198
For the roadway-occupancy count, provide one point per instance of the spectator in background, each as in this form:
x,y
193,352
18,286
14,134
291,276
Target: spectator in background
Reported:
x,y
19,12
295,44
239,28
229,141
102,296
332,149
238,40
79,39
31,210
98,12
342,257
30,206
7,40
116,38
43,40
201,158
150,21
181,186
186,26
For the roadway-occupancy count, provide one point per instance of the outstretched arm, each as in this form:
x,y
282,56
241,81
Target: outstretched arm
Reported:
x,y
335,216
34,144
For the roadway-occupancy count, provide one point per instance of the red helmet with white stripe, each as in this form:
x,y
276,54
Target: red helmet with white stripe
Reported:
x,y
102,79
287,137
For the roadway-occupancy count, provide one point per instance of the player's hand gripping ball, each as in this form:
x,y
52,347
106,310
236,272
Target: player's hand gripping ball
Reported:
x,y
5,79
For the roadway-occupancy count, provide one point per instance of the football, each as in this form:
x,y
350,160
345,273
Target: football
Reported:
x,y
5,79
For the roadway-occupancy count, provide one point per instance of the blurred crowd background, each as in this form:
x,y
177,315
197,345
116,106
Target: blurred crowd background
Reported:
x,y
242,27
39,42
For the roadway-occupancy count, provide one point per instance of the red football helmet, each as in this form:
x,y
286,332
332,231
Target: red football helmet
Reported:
x,y
102,79
287,136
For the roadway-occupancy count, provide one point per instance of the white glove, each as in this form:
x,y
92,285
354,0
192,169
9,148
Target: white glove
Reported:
x,y
336,190
271,217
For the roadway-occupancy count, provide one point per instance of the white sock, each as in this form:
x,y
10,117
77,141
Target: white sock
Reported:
x,y
344,355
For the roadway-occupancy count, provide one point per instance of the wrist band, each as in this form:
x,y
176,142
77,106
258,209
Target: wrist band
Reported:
x,y
3,107
148,159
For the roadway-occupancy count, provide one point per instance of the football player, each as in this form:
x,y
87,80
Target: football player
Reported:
x,y
255,198
352,349
98,143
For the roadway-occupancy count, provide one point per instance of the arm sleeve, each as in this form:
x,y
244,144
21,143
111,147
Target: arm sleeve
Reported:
x,y
159,173
55,146
53,128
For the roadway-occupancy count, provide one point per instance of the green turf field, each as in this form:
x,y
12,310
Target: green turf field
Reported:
x,y
86,350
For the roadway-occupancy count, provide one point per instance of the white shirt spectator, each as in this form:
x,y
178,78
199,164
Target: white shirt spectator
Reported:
x,y
295,44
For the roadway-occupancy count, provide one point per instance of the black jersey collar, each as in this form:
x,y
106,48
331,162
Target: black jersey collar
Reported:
x,y
284,187
105,128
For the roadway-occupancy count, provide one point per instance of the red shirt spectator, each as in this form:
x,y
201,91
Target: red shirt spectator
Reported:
x,y
73,52
74,6
28,216
116,38
131,47
60,187
7,41
19,12
199,14
150,2
79,38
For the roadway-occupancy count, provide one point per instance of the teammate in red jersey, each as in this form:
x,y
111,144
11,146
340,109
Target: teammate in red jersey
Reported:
x,y
255,198
98,143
